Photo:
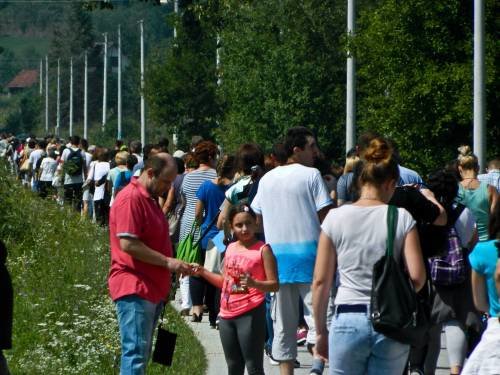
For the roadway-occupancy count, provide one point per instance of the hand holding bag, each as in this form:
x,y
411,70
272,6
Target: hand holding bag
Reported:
x,y
165,344
395,308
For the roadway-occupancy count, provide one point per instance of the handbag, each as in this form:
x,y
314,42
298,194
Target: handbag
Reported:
x,y
164,345
396,310
174,220
212,258
188,250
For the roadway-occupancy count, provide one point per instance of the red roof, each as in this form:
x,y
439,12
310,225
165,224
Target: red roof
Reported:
x,y
24,79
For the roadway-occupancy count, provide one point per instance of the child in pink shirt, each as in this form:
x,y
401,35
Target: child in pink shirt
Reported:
x,y
249,272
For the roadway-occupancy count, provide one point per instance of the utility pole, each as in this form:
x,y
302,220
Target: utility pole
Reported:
x,y
119,135
41,77
350,138
105,80
71,97
46,94
85,99
176,11
479,91
58,104
143,115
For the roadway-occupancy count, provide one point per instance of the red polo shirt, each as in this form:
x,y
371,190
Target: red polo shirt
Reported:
x,y
135,214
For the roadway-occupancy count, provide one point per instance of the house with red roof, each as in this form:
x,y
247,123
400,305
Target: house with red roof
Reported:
x,y
25,79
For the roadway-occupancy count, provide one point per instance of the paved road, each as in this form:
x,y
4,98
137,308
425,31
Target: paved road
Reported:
x,y
209,338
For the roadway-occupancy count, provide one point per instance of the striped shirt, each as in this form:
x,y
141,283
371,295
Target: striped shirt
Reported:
x,y
190,185
491,178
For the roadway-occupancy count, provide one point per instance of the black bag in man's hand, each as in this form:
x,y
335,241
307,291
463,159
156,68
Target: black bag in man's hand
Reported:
x,y
164,347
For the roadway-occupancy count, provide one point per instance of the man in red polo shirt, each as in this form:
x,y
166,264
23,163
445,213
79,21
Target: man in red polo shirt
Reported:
x,y
141,260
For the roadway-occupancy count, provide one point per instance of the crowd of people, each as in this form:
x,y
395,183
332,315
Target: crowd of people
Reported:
x,y
288,246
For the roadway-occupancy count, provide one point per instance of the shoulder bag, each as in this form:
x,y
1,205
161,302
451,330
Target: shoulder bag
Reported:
x,y
396,311
165,344
189,250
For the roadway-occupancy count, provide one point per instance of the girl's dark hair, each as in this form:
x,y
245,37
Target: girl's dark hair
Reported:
x,y
225,168
239,208
444,185
249,155
180,165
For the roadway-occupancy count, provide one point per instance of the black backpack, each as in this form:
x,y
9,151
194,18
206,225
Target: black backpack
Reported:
x,y
74,163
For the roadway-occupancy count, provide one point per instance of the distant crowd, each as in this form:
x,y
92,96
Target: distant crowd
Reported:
x,y
286,245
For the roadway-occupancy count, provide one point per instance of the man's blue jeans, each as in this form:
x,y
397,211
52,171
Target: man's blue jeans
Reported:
x,y
356,349
137,319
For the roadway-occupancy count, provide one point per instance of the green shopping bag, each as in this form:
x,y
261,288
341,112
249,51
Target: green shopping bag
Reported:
x,y
188,250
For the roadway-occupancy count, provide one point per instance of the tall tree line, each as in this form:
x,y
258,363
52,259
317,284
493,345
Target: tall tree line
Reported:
x,y
283,64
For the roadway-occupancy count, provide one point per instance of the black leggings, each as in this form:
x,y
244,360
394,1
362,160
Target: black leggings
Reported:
x,y
202,292
243,341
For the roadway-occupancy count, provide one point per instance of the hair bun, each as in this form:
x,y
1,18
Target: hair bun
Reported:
x,y
377,151
464,150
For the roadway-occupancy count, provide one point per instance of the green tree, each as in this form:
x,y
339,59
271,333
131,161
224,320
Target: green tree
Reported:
x,y
415,76
283,66
181,82
27,116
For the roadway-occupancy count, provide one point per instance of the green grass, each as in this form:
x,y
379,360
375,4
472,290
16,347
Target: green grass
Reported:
x,y
64,321
25,47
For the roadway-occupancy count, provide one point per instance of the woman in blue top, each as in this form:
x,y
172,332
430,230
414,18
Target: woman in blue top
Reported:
x,y
486,356
209,198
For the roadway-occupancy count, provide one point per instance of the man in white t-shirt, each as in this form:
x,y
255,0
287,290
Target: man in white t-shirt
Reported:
x,y
34,164
291,202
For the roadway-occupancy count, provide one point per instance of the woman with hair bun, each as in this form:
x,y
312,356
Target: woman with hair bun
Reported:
x,y
478,196
352,240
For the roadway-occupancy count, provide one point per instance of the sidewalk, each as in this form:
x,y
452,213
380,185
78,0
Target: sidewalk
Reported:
x,y
210,340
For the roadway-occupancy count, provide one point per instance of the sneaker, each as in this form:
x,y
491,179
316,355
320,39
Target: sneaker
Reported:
x,y
296,364
272,361
301,336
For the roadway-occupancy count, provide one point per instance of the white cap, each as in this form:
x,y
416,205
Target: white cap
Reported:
x,y
179,154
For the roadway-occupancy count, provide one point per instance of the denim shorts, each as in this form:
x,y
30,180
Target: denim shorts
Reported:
x,y
355,348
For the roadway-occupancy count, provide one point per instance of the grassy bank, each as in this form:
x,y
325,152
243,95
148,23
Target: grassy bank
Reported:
x,y
64,321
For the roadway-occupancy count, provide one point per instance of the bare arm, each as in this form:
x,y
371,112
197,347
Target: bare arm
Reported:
x,y
322,213
213,278
493,197
169,202
414,260
198,211
271,283
138,250
324,270
442,219
497,277
479,292
221,221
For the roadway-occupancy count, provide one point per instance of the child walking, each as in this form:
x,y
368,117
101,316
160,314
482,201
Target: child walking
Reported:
x,y
249,271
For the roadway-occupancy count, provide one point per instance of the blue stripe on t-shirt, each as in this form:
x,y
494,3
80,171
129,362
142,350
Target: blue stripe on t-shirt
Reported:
x,y
295,261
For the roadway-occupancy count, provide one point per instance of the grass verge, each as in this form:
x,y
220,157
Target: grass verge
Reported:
x,y
64,320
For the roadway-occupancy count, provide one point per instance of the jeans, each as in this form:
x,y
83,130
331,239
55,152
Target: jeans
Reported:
x,y
137,319
355,348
